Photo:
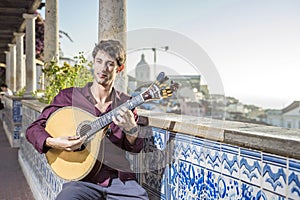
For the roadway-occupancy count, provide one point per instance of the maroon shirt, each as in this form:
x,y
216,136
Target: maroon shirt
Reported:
x,y
116,144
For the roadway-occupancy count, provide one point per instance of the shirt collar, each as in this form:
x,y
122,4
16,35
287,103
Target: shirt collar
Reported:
x,y
116,95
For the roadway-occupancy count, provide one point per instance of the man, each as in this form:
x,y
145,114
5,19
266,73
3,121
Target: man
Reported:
x,y
114,180
6,90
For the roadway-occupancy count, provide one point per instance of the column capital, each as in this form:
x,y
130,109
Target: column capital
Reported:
x,y
29,16
11,45
6,52
16,34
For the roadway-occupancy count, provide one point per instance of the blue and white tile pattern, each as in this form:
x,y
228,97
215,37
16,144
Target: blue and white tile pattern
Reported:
x,y
204,169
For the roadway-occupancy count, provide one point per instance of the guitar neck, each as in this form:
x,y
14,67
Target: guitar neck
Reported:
x,y
106,119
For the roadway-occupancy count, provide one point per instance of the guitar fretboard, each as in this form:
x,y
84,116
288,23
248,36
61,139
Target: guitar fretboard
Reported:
x,y
106,119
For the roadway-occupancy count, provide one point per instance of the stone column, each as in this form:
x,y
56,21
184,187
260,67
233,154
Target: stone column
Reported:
x,y
24,70
51,36
30,53
112,25
7,69
12,78
20,71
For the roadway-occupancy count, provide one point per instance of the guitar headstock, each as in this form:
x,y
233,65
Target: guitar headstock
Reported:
x,y
160,89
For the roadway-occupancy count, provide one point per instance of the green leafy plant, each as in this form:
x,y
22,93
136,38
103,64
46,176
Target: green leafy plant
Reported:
x,y
61,77
20,92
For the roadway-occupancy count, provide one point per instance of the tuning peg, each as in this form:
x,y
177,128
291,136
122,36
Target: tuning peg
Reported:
x,y
166,78
174,86
160,77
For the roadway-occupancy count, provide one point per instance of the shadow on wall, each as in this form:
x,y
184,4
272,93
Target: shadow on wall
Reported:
x,y
155,161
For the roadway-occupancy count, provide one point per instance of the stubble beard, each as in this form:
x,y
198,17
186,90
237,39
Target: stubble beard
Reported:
x,y
103,82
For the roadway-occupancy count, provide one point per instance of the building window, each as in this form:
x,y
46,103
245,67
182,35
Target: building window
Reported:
x,y
289,124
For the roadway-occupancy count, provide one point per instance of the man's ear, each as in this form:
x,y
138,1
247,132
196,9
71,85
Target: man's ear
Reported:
x,y
120,68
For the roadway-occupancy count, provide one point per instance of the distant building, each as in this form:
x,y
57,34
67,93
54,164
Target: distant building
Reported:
x,y
291,115
142,71
190,81
235,107
234,111
288,117
192,109
131,84
274,117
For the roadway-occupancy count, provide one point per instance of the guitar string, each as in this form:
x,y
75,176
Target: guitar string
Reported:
x,y
87,129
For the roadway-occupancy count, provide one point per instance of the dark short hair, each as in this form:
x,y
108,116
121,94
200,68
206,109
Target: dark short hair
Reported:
x,y
3,85
113,48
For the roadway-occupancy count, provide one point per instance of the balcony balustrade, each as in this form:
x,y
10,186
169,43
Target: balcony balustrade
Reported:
x,y
188,157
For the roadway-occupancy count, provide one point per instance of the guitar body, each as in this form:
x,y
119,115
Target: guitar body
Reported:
x,y
73,165
71,121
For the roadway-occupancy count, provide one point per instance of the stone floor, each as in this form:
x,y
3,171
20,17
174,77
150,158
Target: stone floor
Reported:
x,y
13,185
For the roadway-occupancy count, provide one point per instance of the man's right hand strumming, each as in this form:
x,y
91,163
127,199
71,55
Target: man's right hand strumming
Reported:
x,y
67,143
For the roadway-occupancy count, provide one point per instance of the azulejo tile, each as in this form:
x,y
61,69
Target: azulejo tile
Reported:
x,y
187,150
250,166
191,182
173,176
163,187
153,158
274,174
198,156
272,196
16,135
153,181
294,179
182,150
161,137
213,156
230,160
249,191
228,188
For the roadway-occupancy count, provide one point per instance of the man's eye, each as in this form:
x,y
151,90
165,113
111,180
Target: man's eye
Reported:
x,y
111,64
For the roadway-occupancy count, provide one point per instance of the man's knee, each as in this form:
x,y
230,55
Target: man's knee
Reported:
x,y
78,191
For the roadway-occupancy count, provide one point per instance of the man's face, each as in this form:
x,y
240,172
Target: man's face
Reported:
x,y
105,69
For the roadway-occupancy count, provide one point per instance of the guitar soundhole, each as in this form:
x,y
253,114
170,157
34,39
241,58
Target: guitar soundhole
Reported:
x,y
84,129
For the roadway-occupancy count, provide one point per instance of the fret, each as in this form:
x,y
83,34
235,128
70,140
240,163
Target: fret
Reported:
x,y
93,125
106,119
99,123
109,116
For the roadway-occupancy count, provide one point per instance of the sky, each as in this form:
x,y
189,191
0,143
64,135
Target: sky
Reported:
x,y
253,44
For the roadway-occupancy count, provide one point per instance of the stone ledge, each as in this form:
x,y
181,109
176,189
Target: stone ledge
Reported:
x,y
13,97
34,104
270,139
281,141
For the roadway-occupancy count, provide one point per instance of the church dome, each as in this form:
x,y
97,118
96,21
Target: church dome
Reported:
x,y
142,62
142,70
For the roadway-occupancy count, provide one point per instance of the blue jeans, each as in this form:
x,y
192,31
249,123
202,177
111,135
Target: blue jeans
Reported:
x,y
118,190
